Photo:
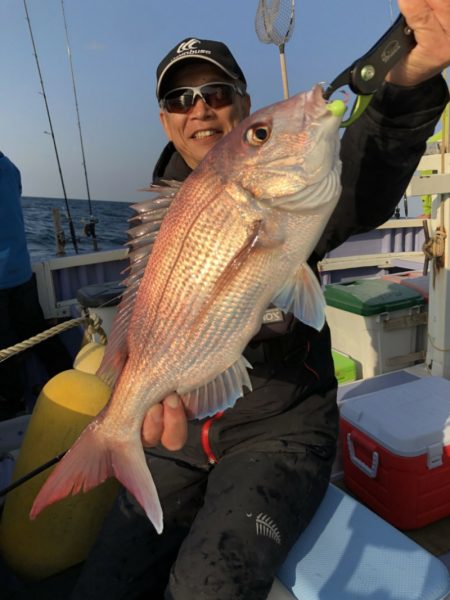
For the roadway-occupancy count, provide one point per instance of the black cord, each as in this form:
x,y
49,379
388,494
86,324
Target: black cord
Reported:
x,y
32,474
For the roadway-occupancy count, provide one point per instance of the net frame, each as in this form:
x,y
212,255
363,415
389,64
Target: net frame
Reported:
x,y
274,24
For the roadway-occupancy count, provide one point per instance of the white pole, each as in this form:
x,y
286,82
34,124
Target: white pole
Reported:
x,y
438,350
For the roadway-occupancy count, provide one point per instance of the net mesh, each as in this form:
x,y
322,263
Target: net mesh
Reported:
x,y
274,22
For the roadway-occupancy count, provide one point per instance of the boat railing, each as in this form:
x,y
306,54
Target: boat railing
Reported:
x,y
59,279
396,244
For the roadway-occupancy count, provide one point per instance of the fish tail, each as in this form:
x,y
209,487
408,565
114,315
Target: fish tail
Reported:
x,y
92,460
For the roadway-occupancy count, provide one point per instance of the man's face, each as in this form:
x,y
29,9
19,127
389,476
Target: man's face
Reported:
x,y
195,133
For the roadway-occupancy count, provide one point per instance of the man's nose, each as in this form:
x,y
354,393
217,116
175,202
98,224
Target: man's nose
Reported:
x,y
199,107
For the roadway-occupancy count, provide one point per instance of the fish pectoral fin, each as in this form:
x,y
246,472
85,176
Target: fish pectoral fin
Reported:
x,y
263,235
240,258
260,238
231,270
90,461
303,296
220,393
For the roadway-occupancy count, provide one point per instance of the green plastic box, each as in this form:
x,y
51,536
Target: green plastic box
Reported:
x,y
344,367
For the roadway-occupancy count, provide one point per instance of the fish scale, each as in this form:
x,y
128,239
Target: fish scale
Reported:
x,y
235,238
184,291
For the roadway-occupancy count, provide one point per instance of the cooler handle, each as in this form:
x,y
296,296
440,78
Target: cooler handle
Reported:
x,y
369,471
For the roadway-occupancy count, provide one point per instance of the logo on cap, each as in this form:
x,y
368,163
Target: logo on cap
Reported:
x,y
188,46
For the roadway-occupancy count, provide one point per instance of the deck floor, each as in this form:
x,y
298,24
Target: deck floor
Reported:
x,y
446,559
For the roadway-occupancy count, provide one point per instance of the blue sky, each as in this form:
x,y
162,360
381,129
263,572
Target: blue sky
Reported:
x,y
116,46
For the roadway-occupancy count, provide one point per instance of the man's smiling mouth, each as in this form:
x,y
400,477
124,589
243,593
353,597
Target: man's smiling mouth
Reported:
x,y
205,133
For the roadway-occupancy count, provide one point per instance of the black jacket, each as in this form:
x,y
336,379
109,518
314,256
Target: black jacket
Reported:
x,y
293,373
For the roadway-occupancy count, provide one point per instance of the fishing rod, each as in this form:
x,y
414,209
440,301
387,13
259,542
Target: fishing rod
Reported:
x,y
56,459
90,227
71,227
31,474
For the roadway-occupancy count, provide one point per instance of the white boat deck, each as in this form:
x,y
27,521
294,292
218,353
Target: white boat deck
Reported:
x,y
12,432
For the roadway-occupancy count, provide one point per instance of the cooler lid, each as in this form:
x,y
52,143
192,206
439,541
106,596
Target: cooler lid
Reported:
x,y
414,280
406,419
371,296
100,294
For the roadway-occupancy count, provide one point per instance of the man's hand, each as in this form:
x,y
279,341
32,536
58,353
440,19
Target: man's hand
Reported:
x,y
165,423
430,21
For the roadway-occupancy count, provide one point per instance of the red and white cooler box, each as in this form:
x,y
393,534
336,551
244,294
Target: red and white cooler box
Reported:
x,y
396,451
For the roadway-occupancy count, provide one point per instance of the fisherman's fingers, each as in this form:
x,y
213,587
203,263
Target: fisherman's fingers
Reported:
x,y
152,427
165,423
430,21
174,434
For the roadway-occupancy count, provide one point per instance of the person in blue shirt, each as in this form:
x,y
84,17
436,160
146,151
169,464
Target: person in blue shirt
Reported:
x,y
15,266
21,315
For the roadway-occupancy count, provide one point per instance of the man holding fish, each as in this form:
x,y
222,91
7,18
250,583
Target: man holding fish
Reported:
x,y
238,484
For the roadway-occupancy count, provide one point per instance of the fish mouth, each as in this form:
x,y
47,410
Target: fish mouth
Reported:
x,y
315,100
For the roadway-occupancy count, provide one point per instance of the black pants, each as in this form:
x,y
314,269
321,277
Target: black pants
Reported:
x,y
21,317
227,528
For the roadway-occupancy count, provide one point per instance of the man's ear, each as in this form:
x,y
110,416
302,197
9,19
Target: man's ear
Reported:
x,y
165,123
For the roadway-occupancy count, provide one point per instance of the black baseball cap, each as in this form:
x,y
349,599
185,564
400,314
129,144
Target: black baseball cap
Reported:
x,y
216,53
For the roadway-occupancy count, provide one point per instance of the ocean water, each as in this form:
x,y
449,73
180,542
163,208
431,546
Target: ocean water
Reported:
x,y
40,230
110,230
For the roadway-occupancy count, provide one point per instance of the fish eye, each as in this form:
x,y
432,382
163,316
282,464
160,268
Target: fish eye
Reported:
x,y
257,135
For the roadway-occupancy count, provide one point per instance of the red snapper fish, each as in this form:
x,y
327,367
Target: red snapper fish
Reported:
x,y
235,239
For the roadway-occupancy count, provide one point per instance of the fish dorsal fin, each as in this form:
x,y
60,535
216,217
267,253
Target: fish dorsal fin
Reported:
x,y
145,224
220,393
116,352
303,296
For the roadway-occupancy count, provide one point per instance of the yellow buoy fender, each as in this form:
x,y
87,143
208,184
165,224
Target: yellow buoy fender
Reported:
x,y
89,357
62,535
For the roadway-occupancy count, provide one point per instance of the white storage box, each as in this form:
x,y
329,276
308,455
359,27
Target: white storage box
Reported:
x,y
375,322
421,284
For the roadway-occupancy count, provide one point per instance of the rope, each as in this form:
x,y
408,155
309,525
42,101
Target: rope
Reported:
x,y
434,249
94,327
92,323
